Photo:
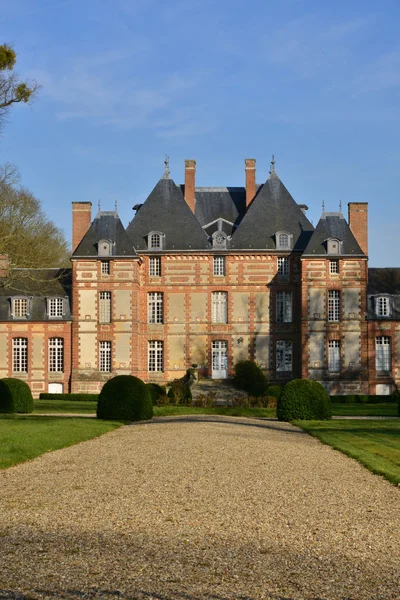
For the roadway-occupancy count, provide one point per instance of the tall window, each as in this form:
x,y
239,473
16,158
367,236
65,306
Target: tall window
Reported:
x,y
334,355
20,308
56,355
105,357
284,356
383,354
55,307
284,307
105,307
156,356
20,355
155,307
283,265
334,267
220,307
382,306
333,305
155,266
105,267
219,265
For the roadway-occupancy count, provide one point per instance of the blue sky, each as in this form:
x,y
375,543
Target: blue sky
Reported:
x,y
128,81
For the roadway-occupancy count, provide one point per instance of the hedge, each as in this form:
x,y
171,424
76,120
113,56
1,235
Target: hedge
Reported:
x,y
250,378
15,396
303,399
125,397
75,397
362,399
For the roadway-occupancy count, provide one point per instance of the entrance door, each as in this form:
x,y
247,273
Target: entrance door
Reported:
x,y
55,388
219,360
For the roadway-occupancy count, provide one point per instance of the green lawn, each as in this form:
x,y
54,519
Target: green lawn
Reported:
x,y
65,406
384,409
23,437
375,444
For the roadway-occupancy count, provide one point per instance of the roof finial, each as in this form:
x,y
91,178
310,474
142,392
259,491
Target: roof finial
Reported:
x,y
116,206
167,174
272,169
340,206
323,206
98,205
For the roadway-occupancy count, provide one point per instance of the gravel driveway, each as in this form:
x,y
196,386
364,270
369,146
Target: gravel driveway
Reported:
x,y
194,508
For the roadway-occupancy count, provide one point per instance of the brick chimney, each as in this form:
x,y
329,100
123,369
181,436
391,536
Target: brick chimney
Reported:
x,y
250,179
190,179
358,221
4,265
81,220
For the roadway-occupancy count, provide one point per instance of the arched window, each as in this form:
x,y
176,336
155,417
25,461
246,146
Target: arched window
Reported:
x,y
283,240
155,240
104,248
333,246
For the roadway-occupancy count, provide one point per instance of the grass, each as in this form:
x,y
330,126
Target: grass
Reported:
x,y
23,437
383,409
65,406
375,444
165,411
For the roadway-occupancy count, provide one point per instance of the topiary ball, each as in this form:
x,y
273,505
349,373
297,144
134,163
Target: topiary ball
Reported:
x,y
305,400
125,398
15,396
156,391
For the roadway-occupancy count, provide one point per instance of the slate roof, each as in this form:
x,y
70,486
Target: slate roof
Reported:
x,y
37,284
212,203
384,281
333,225
272,210
167,211
105,226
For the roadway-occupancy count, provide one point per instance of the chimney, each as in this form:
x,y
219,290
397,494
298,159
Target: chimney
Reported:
x,y
4,265
250,179
190,178
358,221
81,219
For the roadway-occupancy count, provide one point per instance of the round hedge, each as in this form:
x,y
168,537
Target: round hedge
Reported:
x,y
304,399
156,391
15,396
125,397
250,378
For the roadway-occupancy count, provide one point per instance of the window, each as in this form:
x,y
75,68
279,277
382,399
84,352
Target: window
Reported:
x,y
334,355
105,307
20,355
334,267
219,239
382,306
219,265
20,308
283,265
56,355
284,307
283,241
155,307
105,267
104,248
55,307
105,357
155,266
383,355
333,246
156,356
333,305
284,356
220,307
155,241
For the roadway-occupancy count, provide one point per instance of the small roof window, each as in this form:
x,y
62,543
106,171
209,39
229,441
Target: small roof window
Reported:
x,y
104,248
284,240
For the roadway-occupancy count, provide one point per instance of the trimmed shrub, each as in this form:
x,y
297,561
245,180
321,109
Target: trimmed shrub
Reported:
x,y
125,397
156,391
250,378
75,397
15,396
304,399
363,399
275,391
180,392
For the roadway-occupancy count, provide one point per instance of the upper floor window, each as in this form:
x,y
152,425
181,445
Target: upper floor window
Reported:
x,y
284,356
382,306
104,248
105,357
334,267
56,355
219,307
19,308
283,265
284,307
105,267
155,266
155,307
155,240
105,307
219,265
334,355
219,239
333,305
55,308
333,246
20,355
383,354
283,240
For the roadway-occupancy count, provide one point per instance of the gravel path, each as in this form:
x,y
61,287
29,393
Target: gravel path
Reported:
x,y
192,508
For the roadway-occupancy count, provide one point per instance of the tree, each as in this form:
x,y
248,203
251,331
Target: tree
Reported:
x,y
12,89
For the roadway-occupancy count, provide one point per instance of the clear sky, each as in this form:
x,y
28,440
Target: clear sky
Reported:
x,y
125,82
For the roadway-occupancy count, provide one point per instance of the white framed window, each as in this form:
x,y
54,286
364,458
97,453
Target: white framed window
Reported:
x,y
220,307
19,308
56,355
383,353
155,240
284,356
155,266
284,307
334,267
20,355
155,307
334,355
55,308
382,306
219,265
105,357
105,267
156,356
283,240
283,265
105,307
333,305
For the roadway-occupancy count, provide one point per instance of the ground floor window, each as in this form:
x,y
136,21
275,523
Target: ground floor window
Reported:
x,y
56,355
383,354
219,359
20,355
334,355
156,356
105,357
284,356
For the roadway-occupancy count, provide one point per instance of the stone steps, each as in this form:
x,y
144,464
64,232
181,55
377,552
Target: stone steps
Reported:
x,y
223,389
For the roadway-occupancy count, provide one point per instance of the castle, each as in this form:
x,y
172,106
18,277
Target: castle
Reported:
x,y
206,276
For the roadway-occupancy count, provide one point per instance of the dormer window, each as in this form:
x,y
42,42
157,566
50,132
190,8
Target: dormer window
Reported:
x,y
283,240
382,306
104,248
333,246
219,240
155,240
20,308
55,308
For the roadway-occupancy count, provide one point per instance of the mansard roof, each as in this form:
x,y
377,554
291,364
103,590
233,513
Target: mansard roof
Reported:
x,y
333,225
383,281
105,226
167,212
213,203
272,210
